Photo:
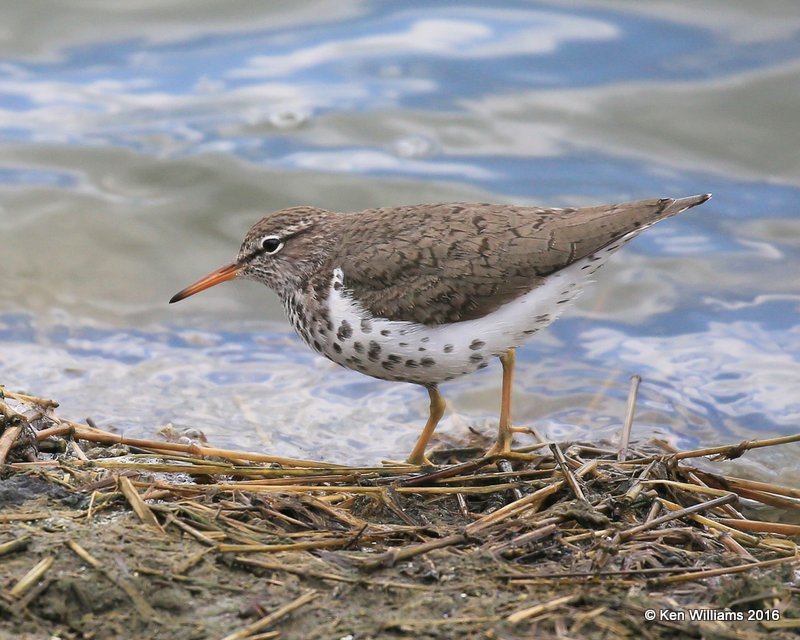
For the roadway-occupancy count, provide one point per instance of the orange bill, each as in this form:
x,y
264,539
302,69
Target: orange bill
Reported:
x,y
228,272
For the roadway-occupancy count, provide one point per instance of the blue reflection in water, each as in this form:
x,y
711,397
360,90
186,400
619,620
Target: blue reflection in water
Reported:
x,y
25,177
423,57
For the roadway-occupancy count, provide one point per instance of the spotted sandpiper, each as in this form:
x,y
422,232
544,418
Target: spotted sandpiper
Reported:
x,y
430,292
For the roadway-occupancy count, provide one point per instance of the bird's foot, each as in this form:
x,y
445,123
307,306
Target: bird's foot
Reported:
x,y
420,461
411,461
504,440
498,448
502,445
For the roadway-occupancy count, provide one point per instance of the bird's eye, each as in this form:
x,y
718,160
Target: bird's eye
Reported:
x,y
271,244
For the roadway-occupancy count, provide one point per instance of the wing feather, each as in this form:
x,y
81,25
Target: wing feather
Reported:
x,y
437,264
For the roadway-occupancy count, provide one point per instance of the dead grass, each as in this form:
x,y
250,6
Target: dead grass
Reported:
x,y
570,539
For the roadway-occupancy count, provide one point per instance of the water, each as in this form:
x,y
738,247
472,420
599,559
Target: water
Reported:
x,y
137,146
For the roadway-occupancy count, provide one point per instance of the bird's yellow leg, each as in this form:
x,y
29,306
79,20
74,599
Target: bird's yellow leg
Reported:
x,y
504,430
417,456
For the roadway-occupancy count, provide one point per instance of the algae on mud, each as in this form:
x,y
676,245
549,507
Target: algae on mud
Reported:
x,y
121,538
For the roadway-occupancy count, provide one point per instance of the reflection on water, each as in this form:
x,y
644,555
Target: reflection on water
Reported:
x,y
137,147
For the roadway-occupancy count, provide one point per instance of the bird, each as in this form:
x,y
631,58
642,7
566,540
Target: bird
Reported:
x,y
427,293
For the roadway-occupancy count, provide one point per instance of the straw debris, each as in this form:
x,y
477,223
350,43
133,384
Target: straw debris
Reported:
x,y
112,537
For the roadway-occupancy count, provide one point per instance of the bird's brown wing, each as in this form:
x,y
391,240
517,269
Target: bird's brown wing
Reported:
x,y
443,263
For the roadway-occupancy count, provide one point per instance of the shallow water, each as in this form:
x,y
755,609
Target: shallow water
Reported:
x,y
137,146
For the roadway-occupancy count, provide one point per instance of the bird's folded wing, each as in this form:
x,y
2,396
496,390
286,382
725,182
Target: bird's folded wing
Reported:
x,y
437,264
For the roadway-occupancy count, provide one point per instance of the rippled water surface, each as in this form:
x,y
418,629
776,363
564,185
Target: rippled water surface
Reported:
x,y
139,141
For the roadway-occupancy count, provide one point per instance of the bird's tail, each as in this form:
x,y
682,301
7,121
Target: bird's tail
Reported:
x,y
682,204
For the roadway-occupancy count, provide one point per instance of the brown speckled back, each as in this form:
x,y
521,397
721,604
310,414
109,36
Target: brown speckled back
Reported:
x,y
442,263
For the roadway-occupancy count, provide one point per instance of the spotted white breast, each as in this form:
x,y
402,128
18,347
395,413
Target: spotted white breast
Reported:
x,y
411,352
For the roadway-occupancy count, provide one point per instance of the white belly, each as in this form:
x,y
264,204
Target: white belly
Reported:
x,y
400,350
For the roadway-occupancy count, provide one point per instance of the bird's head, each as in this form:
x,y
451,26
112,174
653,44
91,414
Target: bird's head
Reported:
x,y
281,250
